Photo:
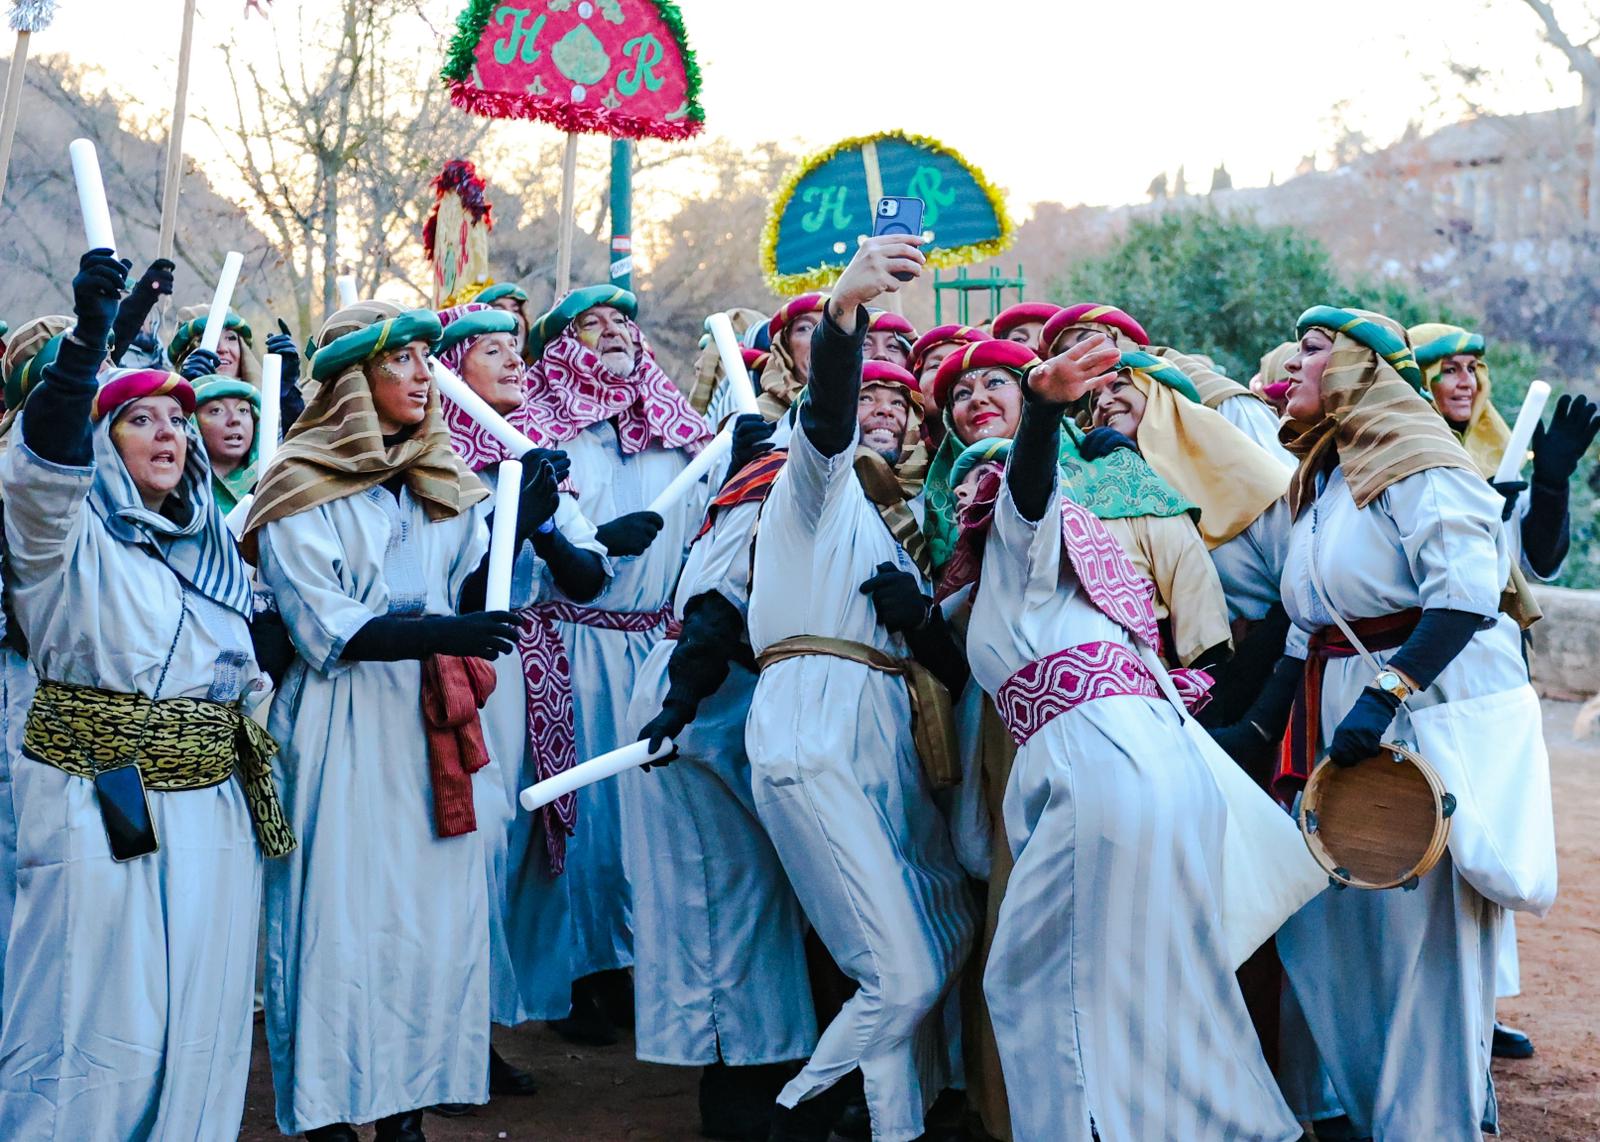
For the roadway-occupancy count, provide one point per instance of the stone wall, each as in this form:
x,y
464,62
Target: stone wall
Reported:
x,y
1566,643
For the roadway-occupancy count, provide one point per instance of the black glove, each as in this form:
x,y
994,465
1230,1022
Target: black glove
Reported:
x,y
131,314
1098,442
1361,731
630,534
751,436
1557,450
96,290
899,601
273,648
282,343
393,638
538,500
1252,741
713,631
1512,491
199,363
560,463
669,723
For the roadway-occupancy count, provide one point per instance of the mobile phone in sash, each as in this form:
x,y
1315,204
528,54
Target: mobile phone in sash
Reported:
x,y
125,812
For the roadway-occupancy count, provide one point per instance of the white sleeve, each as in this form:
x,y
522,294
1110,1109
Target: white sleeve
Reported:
x,y
810,482
303,562
44,511
1026,555
1449,525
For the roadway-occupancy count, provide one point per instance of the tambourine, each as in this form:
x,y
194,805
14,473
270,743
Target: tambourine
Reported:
x,y
1381,823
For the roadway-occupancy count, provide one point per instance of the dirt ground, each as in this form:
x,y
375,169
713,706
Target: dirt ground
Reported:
x,y
605,1095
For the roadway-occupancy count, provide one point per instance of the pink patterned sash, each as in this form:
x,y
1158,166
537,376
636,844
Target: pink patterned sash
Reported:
x,y
1048,687
635,621
1045,689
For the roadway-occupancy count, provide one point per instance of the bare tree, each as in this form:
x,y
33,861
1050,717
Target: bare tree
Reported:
x,y
1578,48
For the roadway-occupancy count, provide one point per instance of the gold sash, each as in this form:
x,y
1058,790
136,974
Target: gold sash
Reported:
x,y
933,723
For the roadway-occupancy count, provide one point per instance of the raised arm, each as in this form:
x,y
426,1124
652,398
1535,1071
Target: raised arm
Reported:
x,y
56,426
1048,389
834,387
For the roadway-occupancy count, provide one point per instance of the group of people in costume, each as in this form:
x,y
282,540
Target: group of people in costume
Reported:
x,y
992,661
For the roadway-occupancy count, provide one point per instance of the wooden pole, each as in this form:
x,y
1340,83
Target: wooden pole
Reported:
x,y
569,190
172,178
13,105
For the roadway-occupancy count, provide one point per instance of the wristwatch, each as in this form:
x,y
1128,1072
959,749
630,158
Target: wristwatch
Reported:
x,y
1392,684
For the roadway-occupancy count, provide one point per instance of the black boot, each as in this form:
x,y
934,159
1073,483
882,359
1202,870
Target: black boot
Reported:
x,y
736,1102
588,1025
1509,1043
508,1080
853,1121
810,1121
336,1132
405,1127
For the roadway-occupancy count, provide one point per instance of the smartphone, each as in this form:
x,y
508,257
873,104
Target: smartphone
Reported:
x,y
125,812
898,216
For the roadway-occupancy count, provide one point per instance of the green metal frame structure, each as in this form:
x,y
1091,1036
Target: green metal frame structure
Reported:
x,y
965,285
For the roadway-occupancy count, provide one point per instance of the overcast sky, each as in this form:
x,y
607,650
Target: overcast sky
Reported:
x,y
1054,99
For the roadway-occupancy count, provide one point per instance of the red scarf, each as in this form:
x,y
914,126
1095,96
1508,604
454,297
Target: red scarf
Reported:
x,y
569,389
453,691
752,484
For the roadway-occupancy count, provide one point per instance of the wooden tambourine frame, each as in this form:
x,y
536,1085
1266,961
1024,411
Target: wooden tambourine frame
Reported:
x,y
1382,823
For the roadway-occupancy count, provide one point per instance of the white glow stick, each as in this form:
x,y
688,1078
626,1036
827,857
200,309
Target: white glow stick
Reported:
x,y
744,396
271,411
458,391
503,536
347,290
235,520
217,315
710,456
91,195
631,756
1522,434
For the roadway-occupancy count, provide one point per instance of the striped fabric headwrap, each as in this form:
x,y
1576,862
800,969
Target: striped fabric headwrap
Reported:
x,y
336,448
200,549
1486,434
1375,423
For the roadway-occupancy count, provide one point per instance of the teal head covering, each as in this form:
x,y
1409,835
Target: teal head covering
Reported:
x,y
240,482
501,290
368,341
474,324
994,450
1381,341
551,325
1164,371
188,335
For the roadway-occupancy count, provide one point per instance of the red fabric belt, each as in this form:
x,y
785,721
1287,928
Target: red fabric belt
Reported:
x,y
1299,754
1045,689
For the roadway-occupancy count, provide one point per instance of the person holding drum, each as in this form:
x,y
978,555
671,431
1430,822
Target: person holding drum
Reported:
x,y
1397,559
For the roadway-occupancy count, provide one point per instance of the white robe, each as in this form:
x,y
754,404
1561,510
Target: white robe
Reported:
x,y
1259,421
377,929
843,796
611,483
17,684
1250,565
1398,987
1109,983
128,985
719,958
530,943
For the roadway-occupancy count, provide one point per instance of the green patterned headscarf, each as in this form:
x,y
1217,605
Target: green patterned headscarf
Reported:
x,y
1359,326
1118,486
230,489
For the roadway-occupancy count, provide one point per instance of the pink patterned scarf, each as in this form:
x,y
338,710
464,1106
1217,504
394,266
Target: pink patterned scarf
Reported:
x,y
569,389
546,669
